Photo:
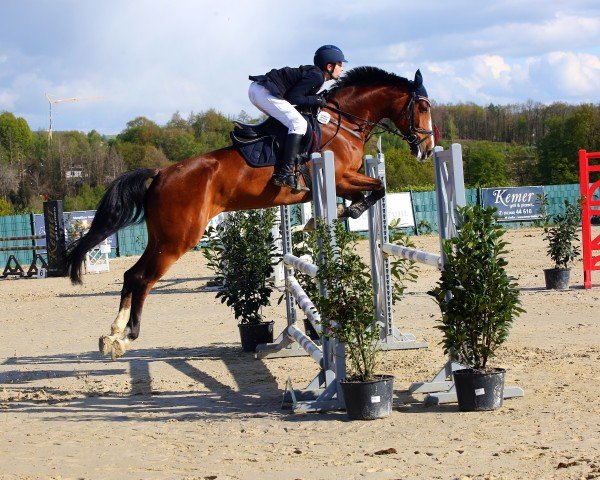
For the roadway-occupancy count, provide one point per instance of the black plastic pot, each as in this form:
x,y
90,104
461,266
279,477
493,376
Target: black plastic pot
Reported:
x,y
368,400
557,278
253,334
477,390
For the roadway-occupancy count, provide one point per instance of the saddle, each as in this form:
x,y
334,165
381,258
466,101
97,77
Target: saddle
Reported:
x,y
259,144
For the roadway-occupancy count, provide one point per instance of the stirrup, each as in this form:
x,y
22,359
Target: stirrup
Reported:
x,y
289,181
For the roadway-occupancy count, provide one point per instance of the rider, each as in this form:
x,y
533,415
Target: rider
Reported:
x,y
276,93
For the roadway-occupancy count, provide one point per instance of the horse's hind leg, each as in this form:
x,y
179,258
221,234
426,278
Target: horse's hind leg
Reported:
x,y
117,329
138,281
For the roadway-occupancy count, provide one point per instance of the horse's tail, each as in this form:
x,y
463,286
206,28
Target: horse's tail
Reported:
x,y
121,205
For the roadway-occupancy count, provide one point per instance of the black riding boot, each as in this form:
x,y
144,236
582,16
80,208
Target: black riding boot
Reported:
x,y
284,168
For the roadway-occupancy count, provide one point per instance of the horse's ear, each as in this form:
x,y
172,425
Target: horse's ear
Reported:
x,y
418,78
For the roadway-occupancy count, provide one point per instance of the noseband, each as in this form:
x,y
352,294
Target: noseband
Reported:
x,y
409,109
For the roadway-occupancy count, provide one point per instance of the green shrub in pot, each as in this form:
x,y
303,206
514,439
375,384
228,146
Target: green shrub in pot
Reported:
x,y
242,252
561,233
477,298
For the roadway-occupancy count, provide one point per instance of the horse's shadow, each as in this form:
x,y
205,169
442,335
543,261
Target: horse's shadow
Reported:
x,y
162,287
84,386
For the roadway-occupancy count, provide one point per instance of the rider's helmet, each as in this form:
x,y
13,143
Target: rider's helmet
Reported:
x,y
328,54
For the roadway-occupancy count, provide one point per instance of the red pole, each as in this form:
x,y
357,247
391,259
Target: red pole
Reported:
x,y
586,221
589,208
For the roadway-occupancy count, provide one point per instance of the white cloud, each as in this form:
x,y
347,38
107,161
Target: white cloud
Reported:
x,y
155,57
568,74
556,76
7,100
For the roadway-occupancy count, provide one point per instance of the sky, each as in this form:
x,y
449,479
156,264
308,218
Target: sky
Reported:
x,y
127,58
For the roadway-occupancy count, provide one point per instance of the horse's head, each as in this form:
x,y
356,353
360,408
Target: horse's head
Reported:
x,y
367,95
413,119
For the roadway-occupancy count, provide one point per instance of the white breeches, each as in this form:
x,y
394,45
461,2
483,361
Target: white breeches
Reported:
x,y
277,108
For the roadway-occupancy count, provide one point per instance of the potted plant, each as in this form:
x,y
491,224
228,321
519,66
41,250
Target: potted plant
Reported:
x,y
478,301
242,254
402,270
347,314
561,233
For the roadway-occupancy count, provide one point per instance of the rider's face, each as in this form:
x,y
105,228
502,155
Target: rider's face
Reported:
x,y
338,68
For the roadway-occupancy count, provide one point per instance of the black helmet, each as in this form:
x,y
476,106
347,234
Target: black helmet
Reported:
x,y
328,54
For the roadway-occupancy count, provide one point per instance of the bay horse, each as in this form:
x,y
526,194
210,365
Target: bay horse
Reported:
x,y
179,200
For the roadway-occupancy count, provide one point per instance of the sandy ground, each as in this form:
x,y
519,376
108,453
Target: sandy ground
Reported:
x,y
187,403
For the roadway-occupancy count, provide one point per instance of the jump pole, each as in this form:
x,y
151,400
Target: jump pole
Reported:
x,y
450,193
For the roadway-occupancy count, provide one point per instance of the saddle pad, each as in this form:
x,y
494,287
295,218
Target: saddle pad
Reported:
x,y
257,153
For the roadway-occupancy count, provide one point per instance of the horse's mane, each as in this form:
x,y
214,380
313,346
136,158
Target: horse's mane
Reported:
x,y
370,76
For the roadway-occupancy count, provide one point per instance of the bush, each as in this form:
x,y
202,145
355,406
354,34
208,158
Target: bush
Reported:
x,y
347,312
476,296
242,254
562,235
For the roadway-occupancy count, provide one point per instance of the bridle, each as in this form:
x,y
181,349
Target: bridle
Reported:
x,y
409,109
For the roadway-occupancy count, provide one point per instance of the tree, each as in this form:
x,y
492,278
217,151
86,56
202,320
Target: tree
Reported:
x,y
142,156
403,171
211,130
141,131
566,135
484,164
15,136
178,145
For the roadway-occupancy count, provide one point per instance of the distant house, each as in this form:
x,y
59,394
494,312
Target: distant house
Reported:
x,y
70,174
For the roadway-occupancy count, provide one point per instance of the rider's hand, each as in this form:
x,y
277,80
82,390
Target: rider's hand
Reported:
x,y
320,100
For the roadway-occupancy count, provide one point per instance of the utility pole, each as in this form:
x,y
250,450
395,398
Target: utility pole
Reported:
x,y
52,101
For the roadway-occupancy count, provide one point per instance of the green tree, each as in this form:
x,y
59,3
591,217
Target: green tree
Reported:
x,y
87,199
142,156
566,135
178,145
141,131
6,207
484,164
15,136
211,129
403,171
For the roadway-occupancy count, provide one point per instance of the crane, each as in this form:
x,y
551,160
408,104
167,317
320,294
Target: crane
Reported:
x,y
52,101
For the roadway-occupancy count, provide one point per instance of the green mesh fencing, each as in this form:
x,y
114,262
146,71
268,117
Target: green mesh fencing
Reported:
x,y
132,240
16,226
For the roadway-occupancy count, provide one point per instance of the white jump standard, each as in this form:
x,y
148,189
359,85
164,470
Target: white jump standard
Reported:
x,y
323,392
450,194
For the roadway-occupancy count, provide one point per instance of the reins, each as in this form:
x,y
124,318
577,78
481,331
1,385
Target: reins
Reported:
x,y
411,137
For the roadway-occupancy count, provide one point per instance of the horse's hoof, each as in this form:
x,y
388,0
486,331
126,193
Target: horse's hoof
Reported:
x,y
118,349
105,345
352,212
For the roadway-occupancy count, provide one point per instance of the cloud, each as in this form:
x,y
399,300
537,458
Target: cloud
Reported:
x,y
556,76
573,75
155,57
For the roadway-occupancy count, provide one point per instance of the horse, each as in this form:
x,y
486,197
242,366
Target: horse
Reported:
x,y
178,201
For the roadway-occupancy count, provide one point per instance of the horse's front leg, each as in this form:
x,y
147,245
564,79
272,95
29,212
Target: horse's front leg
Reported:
x,y
352,185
